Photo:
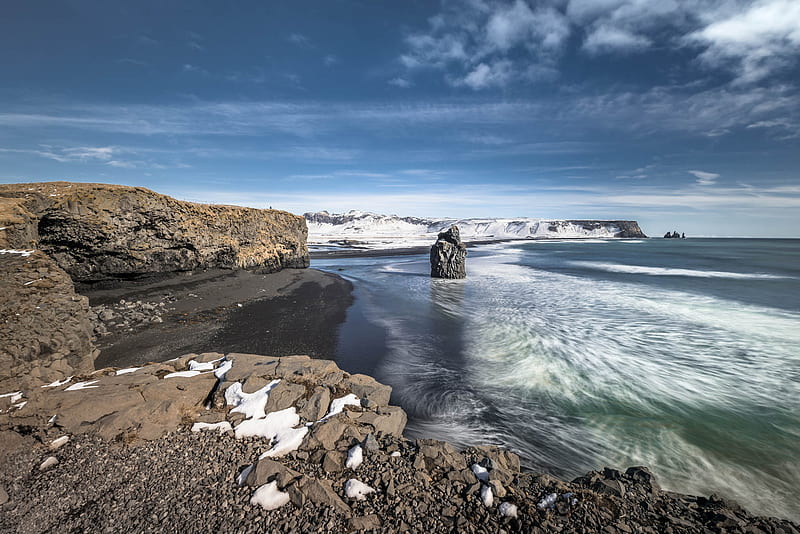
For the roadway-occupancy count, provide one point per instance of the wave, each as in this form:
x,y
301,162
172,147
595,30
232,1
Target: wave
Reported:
x,y
667,271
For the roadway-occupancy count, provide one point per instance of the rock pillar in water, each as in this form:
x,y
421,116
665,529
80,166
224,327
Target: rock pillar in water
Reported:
x,y
449,255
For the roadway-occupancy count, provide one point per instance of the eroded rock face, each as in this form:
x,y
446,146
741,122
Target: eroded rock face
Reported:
x,y
45,333
98,231
449,255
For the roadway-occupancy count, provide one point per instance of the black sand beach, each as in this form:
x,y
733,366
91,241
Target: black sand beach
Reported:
x,y
294,311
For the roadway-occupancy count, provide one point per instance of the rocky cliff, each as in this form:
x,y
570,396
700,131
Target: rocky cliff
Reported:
x,y
45,334
98,231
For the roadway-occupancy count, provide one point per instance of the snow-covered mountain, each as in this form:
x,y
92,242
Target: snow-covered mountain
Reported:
x,y
362,228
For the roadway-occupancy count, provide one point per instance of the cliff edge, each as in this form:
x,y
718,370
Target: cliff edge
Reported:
x,y
99,231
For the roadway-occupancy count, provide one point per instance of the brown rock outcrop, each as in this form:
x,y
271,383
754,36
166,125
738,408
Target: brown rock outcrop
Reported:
x,y
99,231
45,333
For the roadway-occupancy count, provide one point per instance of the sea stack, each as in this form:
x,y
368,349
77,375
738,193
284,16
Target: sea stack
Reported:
x,y
449,255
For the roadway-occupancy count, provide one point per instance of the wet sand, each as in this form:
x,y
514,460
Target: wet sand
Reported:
x,y
294,311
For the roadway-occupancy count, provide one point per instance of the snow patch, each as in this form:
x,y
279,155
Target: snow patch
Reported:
x,y
269,496
241,477
223,369
82,385
354,457
58,442
480,472
508,510
183,374
23,253
48,463
487,497
204,366
221,427
355,489
15,396
250,404
337,405
126,371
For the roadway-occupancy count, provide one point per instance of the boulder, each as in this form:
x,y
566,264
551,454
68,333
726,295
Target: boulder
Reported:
x,y
449,255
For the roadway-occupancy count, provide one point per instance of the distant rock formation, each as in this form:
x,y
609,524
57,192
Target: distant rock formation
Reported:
x,y
449,255
98,231
674,235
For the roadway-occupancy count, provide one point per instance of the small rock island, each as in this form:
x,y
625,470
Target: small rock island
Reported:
x,y
449,255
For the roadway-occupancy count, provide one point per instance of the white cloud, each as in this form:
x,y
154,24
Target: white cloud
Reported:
x,y
610,39
299,39
705,178
756,41
483,75
480,44
330,60
400,82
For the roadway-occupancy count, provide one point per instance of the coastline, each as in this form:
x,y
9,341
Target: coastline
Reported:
x,y
293,311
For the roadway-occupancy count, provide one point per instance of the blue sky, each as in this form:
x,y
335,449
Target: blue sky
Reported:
x,y
680,114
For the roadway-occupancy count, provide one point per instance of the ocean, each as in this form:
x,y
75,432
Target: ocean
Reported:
x,y
680,355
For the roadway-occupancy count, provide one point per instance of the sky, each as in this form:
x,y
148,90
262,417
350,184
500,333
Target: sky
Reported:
x,y
683,115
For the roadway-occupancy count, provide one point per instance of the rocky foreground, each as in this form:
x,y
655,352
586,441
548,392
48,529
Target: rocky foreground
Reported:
x,y
245,443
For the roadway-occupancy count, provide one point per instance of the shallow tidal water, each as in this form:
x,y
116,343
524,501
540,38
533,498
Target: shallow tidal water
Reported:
x,y
681,355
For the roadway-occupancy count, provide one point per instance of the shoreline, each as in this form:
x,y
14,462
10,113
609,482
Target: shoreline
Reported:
x,y
293,311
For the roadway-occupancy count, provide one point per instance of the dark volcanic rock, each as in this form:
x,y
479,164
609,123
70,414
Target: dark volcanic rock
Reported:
x,y
449,255
98,231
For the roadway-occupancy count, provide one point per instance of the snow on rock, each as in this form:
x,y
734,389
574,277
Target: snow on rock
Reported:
x,y
48,463
268,427
480,472
58,443
508,510
250,404
395,454
223,369
269,496
221,427
59,383
287,440
487,497
126,371
23,253
16,396
204,366
82,385
357,490
354,457
548,502
241,477
183,374
337,405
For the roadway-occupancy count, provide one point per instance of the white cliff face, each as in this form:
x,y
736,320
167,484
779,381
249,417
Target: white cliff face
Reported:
x,y
391,231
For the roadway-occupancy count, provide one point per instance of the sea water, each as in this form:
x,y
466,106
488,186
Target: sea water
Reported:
x,y
680,355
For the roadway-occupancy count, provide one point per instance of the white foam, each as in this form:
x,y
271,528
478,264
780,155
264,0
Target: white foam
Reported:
x,y
221,427
269,496
354,457
357,490
82,385
665,271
